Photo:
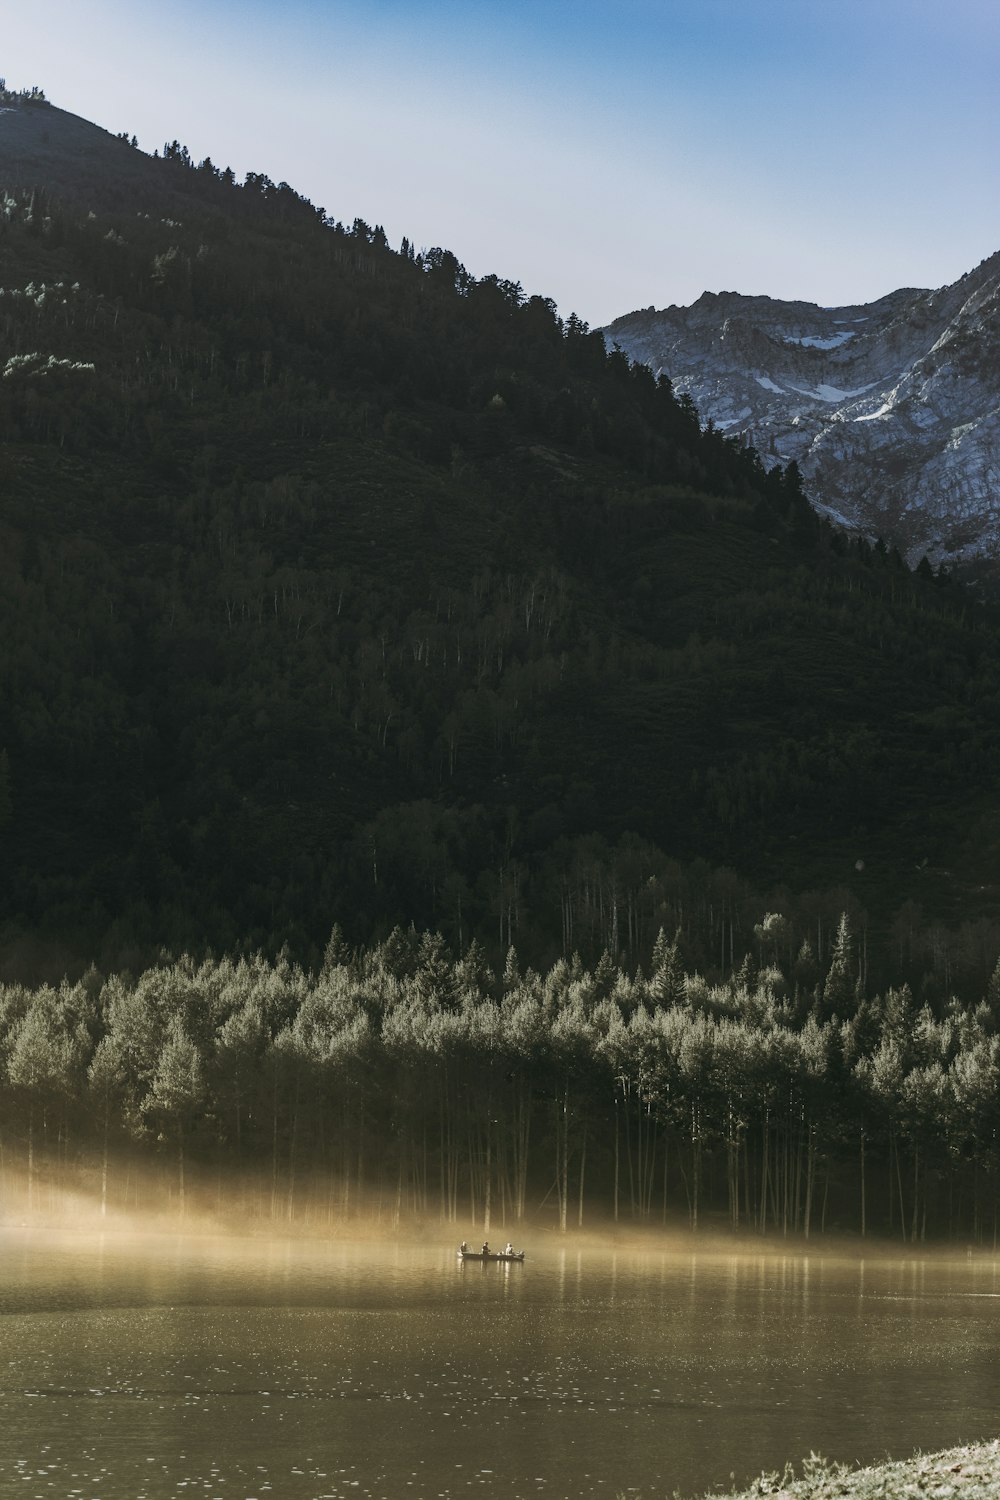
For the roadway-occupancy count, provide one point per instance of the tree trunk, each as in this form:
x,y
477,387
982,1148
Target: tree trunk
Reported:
x,y
488,1194
764,1164
290,1203
666,1154
104,1171
523,1142
695,1164
274,1152
810,1177
651,1173
628,1155
616,1157
31,1158
583,1165
902,1205
562,1156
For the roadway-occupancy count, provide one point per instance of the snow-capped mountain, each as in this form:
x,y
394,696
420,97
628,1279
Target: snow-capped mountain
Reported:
x,y
891,409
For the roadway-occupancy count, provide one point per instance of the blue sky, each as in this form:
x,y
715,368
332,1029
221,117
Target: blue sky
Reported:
x,y
609,156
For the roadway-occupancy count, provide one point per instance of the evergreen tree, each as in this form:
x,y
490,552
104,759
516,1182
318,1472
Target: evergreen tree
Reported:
x,y
840,988
336,953
177,1093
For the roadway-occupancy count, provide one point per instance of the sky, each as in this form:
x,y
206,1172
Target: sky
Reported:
x,y
611,156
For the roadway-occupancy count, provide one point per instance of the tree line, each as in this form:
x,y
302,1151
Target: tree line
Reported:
x,y
404,1080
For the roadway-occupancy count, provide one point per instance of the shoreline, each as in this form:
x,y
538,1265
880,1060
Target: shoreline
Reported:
x,y
80,1214
970,1471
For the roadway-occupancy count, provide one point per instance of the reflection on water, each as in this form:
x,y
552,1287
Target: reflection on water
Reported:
x,y
158,1366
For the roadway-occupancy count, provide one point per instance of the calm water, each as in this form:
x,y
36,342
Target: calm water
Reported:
x,y
160,1367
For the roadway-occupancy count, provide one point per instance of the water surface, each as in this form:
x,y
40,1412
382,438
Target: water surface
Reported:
x,y
157,1366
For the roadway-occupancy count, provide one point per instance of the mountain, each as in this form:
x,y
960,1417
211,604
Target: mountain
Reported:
x,y
337,584
891,409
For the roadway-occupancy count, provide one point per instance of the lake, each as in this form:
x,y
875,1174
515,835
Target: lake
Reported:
x,y
152,1366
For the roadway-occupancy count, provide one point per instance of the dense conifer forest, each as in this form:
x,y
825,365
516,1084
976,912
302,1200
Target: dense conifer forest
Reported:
x,y
401,1082
340,585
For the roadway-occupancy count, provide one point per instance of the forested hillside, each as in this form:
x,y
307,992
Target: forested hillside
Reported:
x,y
340,585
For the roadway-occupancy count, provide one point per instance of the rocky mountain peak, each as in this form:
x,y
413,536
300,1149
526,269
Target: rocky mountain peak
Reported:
x,y
890,408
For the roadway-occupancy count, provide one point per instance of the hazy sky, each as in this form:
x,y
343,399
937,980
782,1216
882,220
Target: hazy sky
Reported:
x,y
607,155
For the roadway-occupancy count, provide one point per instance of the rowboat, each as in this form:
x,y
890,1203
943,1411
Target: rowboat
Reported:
x,y
515,1255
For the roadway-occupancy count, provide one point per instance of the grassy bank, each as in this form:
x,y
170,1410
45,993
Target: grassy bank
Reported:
x,y
971,1472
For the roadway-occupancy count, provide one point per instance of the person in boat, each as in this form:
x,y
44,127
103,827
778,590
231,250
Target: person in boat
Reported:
x,y
508,1249
486,1247
463,1247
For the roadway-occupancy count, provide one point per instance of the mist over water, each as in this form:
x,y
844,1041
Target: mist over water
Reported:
x,y
160,1364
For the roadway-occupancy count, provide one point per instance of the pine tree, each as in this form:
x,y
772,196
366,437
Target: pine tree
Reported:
x,y
511,971
177,1092
840,987
666,983
336,954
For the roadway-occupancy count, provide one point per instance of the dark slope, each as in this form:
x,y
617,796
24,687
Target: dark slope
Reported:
x,y
76,161
338,585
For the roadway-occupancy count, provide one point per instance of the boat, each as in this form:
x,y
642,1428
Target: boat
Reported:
x,y
484,1255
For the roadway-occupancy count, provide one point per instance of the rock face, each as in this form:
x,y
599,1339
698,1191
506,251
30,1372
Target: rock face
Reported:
x,y
891,409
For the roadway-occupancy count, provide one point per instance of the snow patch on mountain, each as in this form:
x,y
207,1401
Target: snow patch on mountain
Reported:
x,y
813,341
825,392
